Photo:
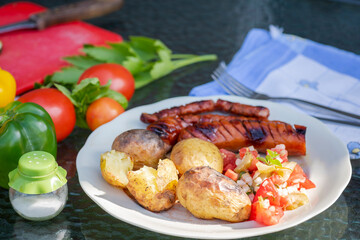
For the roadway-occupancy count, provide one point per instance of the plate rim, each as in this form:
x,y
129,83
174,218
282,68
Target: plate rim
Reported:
x,y
230,234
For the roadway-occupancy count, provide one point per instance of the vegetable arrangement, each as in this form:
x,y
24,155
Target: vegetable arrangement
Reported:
x,y
115,71
24,127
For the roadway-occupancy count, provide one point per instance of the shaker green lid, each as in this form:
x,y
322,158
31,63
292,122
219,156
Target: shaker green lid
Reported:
x,y
37,173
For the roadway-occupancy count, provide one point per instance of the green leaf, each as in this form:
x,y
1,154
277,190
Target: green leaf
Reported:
x,y
133,64
123,48
276,162
144,47
67,76
85,89
117,97
263,160
161,69
67,93
105,54
82,62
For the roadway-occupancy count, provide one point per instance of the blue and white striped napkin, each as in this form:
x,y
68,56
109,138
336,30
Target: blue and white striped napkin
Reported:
x,y
285,65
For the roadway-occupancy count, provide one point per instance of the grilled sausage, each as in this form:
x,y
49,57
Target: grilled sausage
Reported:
x,y
169,128
242,109
234,134
191,108
237,109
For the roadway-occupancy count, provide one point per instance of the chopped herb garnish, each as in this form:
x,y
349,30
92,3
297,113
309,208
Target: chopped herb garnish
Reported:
x,y
270,158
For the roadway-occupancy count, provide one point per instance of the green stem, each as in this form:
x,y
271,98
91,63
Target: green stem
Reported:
x,y
188,61
177,56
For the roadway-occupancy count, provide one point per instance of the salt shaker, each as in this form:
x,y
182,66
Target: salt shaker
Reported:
x,y
38,189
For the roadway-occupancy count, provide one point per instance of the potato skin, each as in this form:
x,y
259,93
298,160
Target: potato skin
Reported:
x,y
194,152
208,194
145,147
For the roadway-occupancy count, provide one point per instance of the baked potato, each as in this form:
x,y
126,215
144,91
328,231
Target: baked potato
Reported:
x,y
194,152
145,147
208,194
154,189
114,167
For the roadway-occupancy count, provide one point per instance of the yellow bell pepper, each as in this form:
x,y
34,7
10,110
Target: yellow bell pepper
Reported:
x,y
7,88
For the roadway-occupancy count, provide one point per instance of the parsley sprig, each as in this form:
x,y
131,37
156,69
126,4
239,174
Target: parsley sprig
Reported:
x,y
270,158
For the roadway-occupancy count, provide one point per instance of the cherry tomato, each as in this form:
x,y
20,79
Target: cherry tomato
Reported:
x,y
121,79
7,88
59,107
102,111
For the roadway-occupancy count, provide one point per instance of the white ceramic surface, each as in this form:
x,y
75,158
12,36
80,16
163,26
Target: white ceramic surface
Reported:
x,y
327,164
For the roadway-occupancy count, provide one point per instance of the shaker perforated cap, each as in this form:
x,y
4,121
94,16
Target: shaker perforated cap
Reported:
x,y
37,164
37,173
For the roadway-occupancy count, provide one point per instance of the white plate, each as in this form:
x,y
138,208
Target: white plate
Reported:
x,y
327,164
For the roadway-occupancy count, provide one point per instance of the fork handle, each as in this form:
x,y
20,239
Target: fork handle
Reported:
x,y
319,106
338,121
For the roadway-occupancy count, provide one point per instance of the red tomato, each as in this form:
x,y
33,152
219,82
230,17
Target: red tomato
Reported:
x,y
267,190
231,174
276,179
229,159
121,79
255,154
59,107
102,111
268,216
299,177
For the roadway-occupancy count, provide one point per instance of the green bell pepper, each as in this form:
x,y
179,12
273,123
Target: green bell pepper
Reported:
x,y
24,127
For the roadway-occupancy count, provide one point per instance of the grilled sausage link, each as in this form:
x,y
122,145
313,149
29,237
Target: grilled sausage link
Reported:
x,y
169,128
234,134
242,109
191,108
237,109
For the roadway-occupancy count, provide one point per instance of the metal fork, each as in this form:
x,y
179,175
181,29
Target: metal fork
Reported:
x,y
233,87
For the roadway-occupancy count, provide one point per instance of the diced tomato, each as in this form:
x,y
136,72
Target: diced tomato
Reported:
x,y
267,190
299,177
280,149
268,216
229,159
244,150
284,201
231,174
255,154
276,179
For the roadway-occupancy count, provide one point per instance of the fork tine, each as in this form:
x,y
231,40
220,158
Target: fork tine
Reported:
x,y
224,86
238,86
230,84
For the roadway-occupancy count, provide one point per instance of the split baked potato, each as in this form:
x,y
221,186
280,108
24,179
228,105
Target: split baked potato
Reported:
x,y
208,194
154,189
194,152
114,167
